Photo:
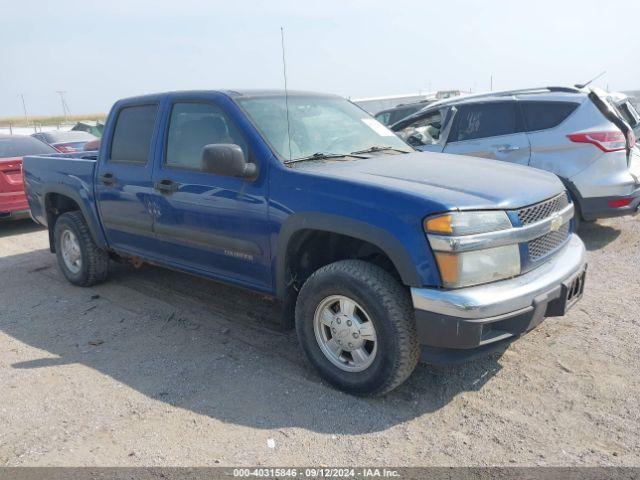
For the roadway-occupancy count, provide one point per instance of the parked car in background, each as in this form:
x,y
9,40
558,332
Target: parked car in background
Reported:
x,y
379,252
628,111
94,127
578,134
13,202
397,113
65,141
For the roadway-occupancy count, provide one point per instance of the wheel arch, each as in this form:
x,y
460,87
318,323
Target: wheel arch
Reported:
x,y
297,224
61,199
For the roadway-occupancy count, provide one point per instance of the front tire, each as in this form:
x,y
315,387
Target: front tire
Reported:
x,y
356,325
82,262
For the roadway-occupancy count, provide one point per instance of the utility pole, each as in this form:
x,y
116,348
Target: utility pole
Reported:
x,y
26,117
24,108
65,107
491,88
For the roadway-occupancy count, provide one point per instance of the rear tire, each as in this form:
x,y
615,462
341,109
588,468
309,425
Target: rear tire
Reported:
x,y
79,258
379,348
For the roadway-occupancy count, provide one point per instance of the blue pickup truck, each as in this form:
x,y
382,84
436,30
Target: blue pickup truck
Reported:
x,y
377,252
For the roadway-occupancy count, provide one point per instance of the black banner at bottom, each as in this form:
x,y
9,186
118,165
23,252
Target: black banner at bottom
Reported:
x,y
427,473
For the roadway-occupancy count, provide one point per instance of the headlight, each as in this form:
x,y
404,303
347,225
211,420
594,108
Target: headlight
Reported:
x,y
462,269
467,223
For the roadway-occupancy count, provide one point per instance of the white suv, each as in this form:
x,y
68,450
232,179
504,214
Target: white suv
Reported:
x,y
579,134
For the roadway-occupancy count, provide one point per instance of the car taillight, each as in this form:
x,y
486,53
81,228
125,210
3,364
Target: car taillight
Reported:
x,y
611,141
620,203
64,149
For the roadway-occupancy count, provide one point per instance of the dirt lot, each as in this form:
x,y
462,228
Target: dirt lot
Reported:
x,y
159,368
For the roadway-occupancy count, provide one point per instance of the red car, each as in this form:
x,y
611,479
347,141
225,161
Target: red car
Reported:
x,y
13,201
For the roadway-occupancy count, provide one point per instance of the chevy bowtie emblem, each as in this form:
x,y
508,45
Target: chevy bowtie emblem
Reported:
x,y
556,223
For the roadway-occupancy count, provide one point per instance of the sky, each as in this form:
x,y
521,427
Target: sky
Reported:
x,y
100,51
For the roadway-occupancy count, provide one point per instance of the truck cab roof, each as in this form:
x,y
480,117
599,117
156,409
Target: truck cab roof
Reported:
x,y
231,93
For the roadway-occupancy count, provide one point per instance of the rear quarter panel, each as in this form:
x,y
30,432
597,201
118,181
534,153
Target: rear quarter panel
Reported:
x,y
551,149
12,197
593,172
63,175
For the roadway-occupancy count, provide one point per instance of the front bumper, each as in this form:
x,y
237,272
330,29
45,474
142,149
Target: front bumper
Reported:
x,y
485,314
13,205
15,214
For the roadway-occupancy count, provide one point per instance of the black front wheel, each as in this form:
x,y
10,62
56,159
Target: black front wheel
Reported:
x,y
79,258
356,325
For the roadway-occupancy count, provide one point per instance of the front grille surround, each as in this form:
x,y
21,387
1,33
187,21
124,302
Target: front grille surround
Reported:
x,y
548,243
542,210
544,246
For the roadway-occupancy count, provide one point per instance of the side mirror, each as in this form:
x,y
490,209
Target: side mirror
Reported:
x,y
227,159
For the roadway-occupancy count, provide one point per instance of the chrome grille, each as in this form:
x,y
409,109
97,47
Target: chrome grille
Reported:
x,y
542,210
548,243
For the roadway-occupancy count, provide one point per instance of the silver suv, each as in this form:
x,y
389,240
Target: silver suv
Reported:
x,y
579,134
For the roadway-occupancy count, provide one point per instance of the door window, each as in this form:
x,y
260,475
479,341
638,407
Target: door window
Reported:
x,y
191,127
544,115
132,135
483,120
424,131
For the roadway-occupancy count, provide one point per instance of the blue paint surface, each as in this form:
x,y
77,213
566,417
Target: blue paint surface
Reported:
x,y
234,230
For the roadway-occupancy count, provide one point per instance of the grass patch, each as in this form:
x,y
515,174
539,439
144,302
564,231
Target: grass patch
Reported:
x,y
18,121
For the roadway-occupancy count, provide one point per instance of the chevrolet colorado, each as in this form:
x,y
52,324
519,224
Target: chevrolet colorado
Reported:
x,y
377,252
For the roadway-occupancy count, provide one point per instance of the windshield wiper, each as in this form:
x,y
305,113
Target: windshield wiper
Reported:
x,y
380,148
322,156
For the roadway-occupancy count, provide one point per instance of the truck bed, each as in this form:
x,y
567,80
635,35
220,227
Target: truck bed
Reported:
x,y
67,174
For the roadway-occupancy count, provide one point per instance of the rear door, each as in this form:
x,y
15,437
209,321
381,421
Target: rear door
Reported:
x,y
210,224
123,185
490,130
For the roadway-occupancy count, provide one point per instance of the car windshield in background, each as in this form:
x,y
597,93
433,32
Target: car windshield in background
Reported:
x,y
629,112
15,146
391,116
72,145
66,136
318,126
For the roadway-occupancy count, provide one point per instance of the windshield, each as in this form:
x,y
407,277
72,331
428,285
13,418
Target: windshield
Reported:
x,y
318,125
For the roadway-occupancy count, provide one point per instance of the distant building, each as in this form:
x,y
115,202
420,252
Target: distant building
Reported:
x,y
374,105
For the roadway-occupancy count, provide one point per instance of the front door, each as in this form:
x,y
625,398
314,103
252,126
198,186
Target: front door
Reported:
x,y
123,184
209,224
490,130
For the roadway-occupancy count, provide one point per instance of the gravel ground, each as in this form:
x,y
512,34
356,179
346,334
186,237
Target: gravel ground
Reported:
x,y
159,368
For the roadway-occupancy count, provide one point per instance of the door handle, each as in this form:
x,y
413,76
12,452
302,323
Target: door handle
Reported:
x,y
507,148
107,178
166,186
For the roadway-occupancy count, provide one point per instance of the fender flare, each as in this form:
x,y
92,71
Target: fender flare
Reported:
x,y
573,193
382,239
90,216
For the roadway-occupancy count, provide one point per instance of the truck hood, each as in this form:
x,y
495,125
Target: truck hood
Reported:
x,y
455,181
